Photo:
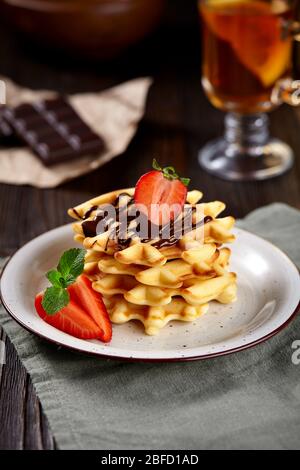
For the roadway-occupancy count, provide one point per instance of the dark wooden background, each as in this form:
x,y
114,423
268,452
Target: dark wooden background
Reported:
x,y
178,121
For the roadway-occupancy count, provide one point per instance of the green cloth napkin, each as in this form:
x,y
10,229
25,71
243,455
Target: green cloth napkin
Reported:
x,y
248,400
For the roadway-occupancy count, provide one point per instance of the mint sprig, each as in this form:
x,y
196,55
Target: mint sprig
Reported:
x,y
70,266
169,173
55,298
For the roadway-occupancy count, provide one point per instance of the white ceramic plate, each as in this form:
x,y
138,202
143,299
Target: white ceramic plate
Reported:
x,y
268,298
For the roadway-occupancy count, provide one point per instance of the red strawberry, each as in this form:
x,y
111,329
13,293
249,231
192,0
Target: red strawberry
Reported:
x,y
91,301
161,194
71,319
85,316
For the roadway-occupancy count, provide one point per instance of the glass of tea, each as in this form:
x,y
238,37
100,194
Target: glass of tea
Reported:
x,y
247,58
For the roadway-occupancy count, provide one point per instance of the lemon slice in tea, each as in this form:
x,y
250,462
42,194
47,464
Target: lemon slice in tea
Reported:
x,y
254,32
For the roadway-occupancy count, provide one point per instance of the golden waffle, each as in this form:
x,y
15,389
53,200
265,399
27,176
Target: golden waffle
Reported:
x,y
215,231
92,259
153,318
111,284
158,284
110,265
206,262
151,256
175,272
108,198
141,253
195,292
201,292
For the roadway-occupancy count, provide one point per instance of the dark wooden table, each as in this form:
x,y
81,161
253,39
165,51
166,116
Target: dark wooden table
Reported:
x,y
177,122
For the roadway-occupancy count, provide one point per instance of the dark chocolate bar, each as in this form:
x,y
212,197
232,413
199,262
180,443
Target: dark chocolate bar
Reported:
x,y
53,130
7,134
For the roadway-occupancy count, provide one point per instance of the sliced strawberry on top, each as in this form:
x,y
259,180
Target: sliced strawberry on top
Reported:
x,y
161,194
71,319
91,301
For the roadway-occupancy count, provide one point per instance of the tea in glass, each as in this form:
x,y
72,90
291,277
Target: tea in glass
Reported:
x,y
247,56
245,52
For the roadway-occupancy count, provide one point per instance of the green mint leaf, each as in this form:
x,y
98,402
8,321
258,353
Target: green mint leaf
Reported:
x,y
185,181
72,263
55,298
70,279
55,278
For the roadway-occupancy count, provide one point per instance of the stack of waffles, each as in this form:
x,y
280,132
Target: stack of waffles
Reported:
x,y
152,282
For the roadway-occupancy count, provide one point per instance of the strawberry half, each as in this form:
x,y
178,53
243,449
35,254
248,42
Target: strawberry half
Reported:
x,y
84,317
71,319
160,194
91,301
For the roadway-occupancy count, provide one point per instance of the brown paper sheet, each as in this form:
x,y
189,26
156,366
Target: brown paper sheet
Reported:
x,y
113,113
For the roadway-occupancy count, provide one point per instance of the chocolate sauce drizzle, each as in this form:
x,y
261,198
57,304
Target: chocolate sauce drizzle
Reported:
x,y
168,234
176,231
86,214
89,227
89,212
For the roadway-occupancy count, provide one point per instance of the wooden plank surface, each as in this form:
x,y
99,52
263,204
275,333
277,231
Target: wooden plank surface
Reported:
x,y
177,122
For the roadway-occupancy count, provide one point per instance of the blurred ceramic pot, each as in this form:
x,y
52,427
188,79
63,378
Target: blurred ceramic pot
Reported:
x,y
94,28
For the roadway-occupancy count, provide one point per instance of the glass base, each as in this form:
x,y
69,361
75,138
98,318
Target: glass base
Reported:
x,y
246,152
273,160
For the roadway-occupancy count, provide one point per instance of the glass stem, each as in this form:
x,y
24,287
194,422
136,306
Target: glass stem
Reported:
x,y
246,133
